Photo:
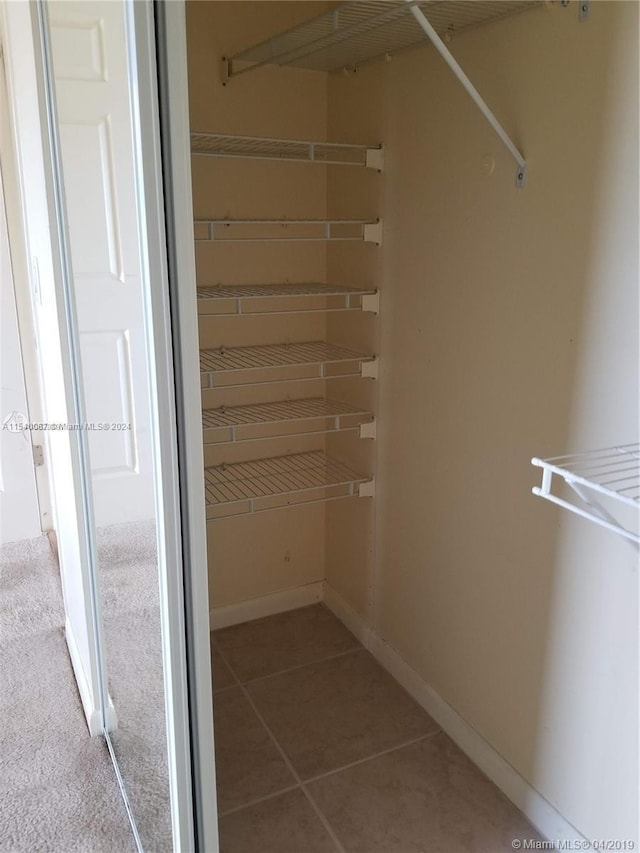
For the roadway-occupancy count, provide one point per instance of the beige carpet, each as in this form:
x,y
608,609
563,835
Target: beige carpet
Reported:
x,y
131,613
58,791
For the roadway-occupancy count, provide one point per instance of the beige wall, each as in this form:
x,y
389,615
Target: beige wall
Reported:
x,y
509,329
590,684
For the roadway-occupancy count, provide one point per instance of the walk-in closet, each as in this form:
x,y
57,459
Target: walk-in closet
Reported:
x,y
320,459
402,235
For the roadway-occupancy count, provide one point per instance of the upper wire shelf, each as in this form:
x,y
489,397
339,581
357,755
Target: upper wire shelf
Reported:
x,y
287,230
230,366
309,416
286,150
361,31
248,299
273,483
612,473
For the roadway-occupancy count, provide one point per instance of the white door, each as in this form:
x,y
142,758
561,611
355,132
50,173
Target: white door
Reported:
x,y
19,512
90,62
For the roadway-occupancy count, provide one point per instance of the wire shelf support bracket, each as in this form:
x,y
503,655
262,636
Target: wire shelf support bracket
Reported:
x,y
372,232
612,473
445,53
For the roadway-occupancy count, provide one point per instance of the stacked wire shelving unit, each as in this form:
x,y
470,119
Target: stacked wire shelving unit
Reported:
x,y
272,482
345,37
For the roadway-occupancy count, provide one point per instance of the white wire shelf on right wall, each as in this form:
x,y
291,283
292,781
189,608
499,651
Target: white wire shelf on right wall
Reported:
x,y
611,474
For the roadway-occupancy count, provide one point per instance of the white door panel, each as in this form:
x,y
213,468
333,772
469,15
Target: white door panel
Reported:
x,y
90,187
89,51
113,444
78,46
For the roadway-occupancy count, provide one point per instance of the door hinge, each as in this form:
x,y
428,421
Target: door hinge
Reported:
x,y
38,455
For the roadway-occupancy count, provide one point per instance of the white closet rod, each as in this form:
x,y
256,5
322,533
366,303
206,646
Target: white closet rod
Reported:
x,y
442,49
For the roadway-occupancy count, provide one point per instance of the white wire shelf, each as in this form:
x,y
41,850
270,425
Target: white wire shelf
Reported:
x,y
287,230
310,416
226,300
273,483
250,365
612,473
361,31
286,150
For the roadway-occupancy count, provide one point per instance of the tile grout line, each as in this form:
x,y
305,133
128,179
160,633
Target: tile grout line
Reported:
x,y
214,644
317,778
300,783
296,776
346,767
302,665
225,689
258,800
371,757
358,648
290,766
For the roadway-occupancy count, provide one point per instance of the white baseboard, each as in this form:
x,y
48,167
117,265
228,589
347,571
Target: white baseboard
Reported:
x,y
267,605
90,704
547,820
346,614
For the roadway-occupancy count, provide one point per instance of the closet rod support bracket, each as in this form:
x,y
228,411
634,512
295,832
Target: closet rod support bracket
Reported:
x,y
521,176
583,11
467,85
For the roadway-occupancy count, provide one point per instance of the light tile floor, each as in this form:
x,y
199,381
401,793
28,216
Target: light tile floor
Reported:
x,y
319,749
